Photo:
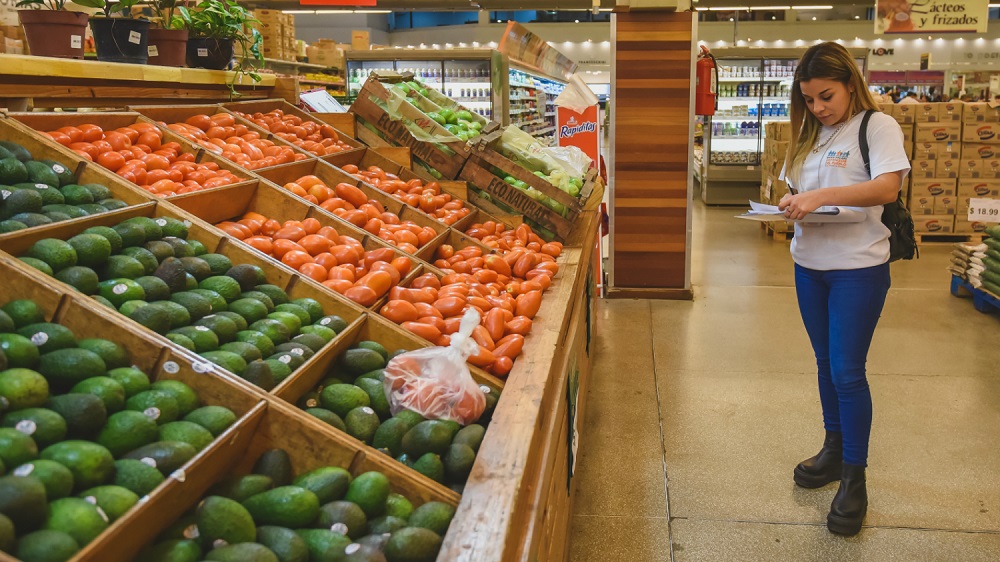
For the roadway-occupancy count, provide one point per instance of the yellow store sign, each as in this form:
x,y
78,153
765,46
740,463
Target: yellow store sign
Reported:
x,y
925,16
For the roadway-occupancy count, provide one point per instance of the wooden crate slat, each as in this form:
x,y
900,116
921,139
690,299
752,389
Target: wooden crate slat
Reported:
x,y
482,178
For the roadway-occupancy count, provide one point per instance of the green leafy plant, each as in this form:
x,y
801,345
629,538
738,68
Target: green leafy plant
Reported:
x,y
223,20
123,7
169,14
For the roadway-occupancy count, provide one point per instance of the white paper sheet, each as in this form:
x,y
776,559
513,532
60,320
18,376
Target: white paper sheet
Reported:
x,y
771,213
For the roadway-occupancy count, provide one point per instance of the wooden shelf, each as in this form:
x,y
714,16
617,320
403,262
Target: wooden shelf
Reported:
x,y
296,64
339,84
53,82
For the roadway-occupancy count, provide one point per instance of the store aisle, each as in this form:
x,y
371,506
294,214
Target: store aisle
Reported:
x,y
698,411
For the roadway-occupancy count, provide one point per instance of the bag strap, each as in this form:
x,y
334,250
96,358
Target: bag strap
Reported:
x,y
863,142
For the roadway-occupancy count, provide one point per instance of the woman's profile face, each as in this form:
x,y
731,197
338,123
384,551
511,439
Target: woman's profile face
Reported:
x,y
828,100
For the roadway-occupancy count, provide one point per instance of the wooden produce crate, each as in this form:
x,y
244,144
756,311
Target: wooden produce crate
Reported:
x,y
295,285
85,172
478,173
392,161
435,100
447,158
310,444
265,106
82,317
164,116
43,122
331,176
280,205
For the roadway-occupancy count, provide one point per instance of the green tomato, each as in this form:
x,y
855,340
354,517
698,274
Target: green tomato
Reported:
x,y
464,115
511,180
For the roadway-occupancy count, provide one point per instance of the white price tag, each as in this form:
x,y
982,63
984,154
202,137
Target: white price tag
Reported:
x,y
134,37
202,52
75,41
153,51
984,210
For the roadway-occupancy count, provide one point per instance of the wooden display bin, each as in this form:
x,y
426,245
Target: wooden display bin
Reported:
x,y
435,101
280,205
83,317
331,176
85,172
383,158
164,116
309,443
278,274
39,123
478,173
447,158
265,106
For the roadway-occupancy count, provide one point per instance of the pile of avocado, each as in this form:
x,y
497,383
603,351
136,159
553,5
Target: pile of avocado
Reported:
x,y
270,515
37,192
352,398
83,434
148,270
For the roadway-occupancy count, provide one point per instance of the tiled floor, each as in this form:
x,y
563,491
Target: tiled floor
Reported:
x,y
698,411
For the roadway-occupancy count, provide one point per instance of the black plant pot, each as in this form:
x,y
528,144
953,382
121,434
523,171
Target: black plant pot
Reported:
x,y
214,54
121,39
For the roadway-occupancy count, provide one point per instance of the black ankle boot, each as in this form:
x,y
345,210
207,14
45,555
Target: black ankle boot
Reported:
x,y
850,504
823,468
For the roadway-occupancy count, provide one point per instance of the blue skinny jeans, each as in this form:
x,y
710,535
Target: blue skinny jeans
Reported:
x,y
840,310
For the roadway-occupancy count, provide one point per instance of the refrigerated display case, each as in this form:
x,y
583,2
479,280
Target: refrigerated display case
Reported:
x,y
532,103
476,78
753,89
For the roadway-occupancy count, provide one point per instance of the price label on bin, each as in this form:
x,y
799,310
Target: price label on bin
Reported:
x,y
984,210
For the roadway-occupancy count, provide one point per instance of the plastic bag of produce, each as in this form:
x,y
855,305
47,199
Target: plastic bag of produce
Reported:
x,y
571,158
435,382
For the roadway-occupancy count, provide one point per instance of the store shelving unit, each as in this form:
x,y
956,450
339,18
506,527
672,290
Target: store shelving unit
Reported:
x,y
532,103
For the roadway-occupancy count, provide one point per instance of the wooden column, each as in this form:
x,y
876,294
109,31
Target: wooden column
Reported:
x,y
652,133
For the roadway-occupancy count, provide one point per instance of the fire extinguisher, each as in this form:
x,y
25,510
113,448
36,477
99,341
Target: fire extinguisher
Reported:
x,y
705,102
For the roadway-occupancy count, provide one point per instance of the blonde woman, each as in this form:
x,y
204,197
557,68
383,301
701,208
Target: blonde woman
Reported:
x,y
841,269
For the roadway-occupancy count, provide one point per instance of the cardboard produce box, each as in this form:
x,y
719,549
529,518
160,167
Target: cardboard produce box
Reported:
x,y
906,113
921,205
927,112
934,224
980,112
991,168
981,151
887,108
923,168
978,188
964,226
326,52
908,129
938,132
936,150
971,168
945,205
952,111
361,40
988,133
933,187
948,168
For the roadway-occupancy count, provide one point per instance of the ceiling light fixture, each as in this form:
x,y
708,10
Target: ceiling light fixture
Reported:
x,y
812,7
761,8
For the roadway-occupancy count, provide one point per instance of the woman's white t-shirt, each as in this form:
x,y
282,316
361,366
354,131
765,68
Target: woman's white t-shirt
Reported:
x,y
830,246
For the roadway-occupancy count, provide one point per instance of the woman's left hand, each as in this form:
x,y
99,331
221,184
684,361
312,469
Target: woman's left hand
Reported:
x,y
797,206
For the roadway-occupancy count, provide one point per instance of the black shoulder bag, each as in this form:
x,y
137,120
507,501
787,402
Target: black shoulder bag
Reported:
x,y
895,216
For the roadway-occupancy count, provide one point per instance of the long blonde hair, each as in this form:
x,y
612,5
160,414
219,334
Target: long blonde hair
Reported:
x,y
825,61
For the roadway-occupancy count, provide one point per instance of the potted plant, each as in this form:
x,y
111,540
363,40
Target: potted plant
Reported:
x,y
118,39
53,32
215,26
168,36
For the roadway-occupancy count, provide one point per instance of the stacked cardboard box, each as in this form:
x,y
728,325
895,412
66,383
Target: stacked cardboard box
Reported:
x,y
328,52
12,40
772,189
955,156
278,30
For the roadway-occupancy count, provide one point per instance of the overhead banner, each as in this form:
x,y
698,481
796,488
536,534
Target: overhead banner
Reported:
x,y
530,50
931,16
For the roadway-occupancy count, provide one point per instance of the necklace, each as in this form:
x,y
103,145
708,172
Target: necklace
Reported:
x,y
832,135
